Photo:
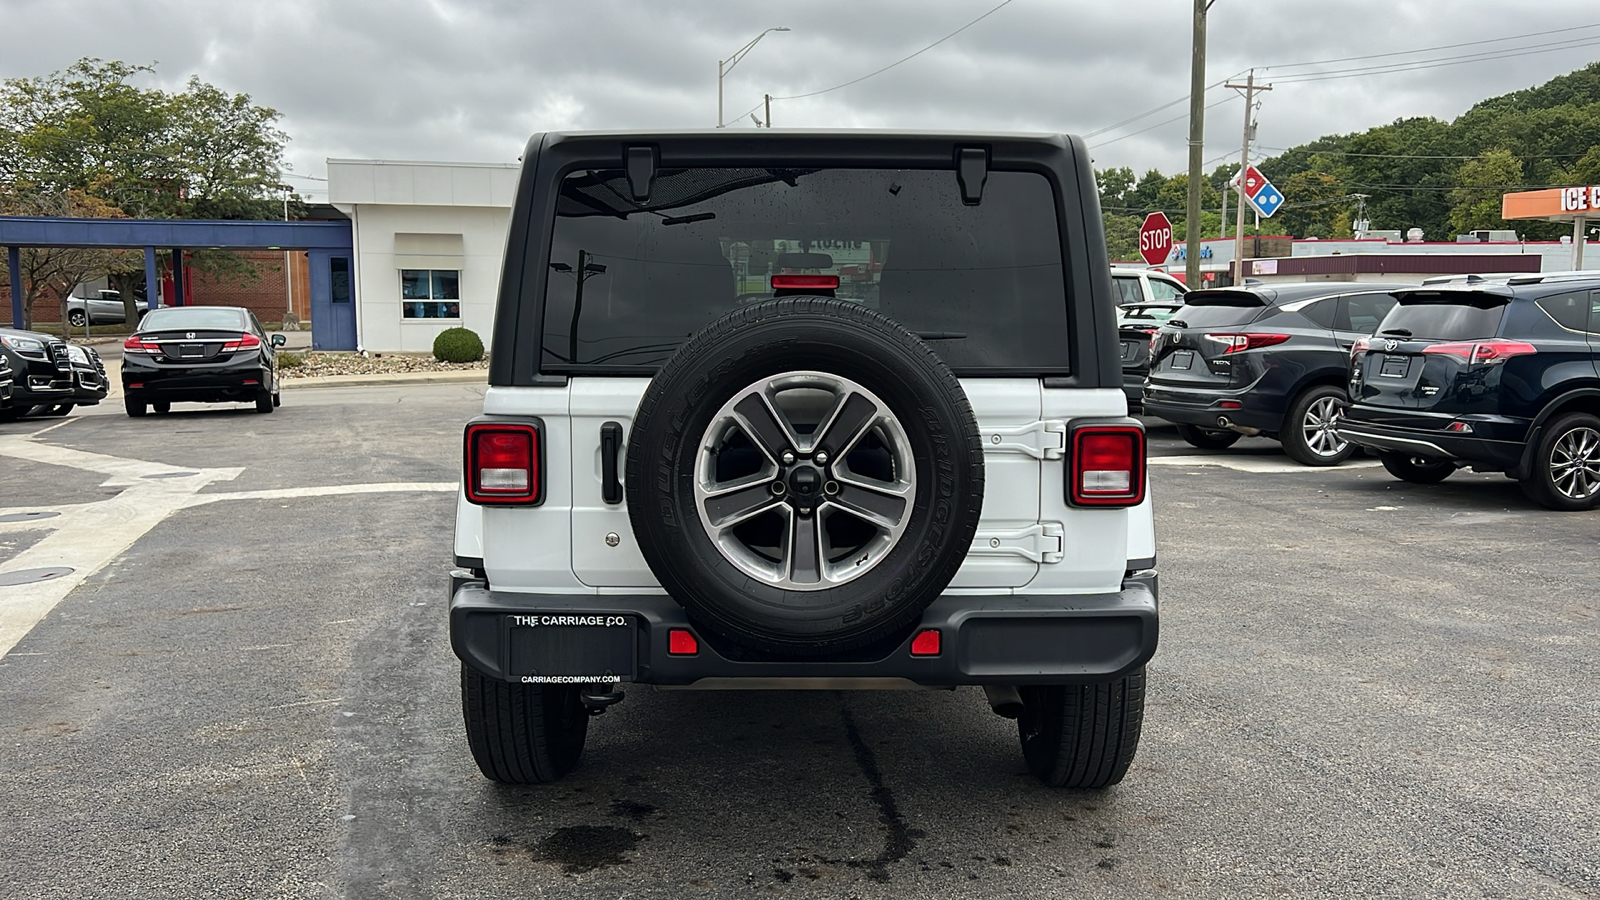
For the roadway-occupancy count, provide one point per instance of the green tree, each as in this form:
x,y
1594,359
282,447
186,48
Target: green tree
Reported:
x,y
197,153
1475,203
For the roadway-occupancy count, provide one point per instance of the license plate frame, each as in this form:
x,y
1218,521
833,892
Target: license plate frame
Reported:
x,y
191,351
1394,367
1183,359
572,648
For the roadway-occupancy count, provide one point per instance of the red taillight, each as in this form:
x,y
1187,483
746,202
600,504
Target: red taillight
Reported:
x,y
1107,466
1361,346
926,643
136,344
681,642
1482,351
503,463
805,282
245,342
1238,343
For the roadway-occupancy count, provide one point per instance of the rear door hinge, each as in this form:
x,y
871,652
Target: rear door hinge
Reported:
x,y
1040,440
1041,543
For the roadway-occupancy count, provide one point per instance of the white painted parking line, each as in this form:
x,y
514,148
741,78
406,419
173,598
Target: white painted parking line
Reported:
x,y
1261,464
87,537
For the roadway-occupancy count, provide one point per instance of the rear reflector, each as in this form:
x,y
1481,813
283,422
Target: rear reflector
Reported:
x,y
926,643
503,463
1107,467
681,642
1459,427
1230,404
805,282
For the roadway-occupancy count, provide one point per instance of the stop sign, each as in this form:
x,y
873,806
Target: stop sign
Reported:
x,y
1155,239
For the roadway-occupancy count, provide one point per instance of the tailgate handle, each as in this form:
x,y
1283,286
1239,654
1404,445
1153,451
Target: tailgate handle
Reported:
x,y
610,449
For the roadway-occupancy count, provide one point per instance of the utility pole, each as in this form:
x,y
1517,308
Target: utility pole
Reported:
x,y
1250,89
769,109
1197,133
1222,211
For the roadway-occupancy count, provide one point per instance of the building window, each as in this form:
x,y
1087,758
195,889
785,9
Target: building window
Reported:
x,y
430,293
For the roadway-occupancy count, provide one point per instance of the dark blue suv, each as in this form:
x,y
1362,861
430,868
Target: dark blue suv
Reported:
x,y
1271,360
1499,376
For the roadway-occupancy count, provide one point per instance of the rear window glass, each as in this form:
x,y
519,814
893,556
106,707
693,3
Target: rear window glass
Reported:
x,y
1462,320
1572,310
1214,314
1126,288
192,317
630,281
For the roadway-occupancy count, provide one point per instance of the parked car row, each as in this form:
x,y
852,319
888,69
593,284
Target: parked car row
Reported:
x,y
1496,374
46,375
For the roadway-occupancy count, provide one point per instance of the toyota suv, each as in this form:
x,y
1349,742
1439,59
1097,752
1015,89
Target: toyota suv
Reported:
x,y
1496,375
831,410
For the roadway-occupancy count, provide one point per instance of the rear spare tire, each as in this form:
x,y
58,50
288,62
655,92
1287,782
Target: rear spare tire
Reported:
x,y
804,476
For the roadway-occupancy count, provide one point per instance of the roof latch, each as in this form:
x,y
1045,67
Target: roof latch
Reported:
x,y
641,172
972,170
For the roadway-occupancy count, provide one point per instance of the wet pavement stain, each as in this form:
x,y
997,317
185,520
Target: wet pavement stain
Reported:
x,y
632,809
584,848
899,839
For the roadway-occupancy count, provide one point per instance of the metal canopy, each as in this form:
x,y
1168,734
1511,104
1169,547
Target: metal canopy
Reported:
x,y
181,234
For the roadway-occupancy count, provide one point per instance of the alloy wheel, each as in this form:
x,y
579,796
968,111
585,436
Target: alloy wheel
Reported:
x,y
1575,463
1318,428
805,481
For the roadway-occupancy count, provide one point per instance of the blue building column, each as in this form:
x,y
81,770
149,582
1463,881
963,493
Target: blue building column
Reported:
x,y
177,278
152,281
14,267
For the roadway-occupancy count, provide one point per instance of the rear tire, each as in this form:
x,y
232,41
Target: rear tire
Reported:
x,y
1207,438
263,402
76,318
134,406
1416,469
522,733
1082,735
1308,435
1565,473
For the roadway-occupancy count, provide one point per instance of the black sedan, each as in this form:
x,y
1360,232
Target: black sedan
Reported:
x,y
1272,360
1136,322
201,354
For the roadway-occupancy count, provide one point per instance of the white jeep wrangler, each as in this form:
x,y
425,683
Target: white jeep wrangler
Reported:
x,y
835,410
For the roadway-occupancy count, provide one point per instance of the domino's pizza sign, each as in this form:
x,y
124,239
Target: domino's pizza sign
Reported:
x,y
1260,192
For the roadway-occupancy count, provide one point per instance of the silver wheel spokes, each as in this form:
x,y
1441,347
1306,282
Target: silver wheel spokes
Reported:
x,y
1575,464
1318,428
805,480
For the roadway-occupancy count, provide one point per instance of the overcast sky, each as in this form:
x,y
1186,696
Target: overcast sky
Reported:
x,y
471,79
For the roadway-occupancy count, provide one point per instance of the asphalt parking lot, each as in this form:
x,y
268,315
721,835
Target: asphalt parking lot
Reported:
x,y
1364,689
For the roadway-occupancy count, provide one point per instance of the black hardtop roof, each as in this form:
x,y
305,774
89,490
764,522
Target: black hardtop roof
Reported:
x,y
1279,294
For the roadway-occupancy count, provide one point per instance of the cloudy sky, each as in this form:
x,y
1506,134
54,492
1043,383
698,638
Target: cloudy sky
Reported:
x,y
470,79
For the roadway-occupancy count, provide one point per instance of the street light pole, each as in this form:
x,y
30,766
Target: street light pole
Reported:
x,y
724,66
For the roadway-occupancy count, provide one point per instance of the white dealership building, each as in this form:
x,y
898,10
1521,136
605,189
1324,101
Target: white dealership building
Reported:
x,y
429,238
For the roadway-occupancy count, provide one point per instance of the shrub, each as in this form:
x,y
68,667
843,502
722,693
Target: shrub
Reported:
x,y
287,360
457,345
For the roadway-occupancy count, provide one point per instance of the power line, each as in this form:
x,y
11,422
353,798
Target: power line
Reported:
x,y
1303,149
897,62
1438,62
1514,37
1150,112
1156,125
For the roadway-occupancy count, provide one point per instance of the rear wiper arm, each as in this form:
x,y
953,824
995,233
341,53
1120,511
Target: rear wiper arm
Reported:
x,y
1403,332
1177,323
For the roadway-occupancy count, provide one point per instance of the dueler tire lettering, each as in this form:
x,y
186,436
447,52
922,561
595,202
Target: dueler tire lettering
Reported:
x,y
770,339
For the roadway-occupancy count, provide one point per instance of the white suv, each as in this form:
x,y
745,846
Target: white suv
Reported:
x,y
834,410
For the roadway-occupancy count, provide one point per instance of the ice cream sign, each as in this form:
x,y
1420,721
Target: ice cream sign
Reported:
x,y
1580,199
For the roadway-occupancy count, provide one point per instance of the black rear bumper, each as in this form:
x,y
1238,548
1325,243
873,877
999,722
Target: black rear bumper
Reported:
x,y
1004,639
1480,451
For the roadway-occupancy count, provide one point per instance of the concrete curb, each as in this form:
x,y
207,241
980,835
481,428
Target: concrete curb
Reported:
x,y
477,376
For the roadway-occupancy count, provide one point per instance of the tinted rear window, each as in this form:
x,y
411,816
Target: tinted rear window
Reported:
x,y
1458,320
1215,315
192,317
984,283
